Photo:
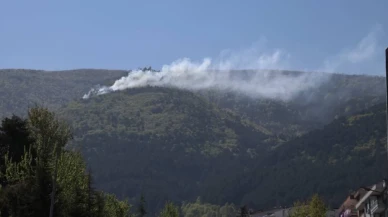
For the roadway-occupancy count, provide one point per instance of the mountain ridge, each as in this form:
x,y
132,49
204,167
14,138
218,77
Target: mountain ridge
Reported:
x,y
176,144
347,153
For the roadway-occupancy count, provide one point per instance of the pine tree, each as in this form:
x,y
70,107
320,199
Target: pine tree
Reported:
x,y
142,206
100,204
90,192
244,212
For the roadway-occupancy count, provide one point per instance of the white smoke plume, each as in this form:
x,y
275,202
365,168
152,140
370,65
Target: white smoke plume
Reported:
x,y
365,58
224,73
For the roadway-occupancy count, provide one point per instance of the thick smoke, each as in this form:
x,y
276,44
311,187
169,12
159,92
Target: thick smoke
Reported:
x,y
246,72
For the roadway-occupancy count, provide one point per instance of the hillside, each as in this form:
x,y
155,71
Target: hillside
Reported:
x,y
22,88
340,95
222,146
348,153
165,142
337,95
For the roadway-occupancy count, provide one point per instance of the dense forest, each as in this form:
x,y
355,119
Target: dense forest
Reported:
x,y
332,161
21,89
38,177
172,146
170,142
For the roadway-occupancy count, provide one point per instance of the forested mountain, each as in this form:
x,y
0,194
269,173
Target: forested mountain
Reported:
x,y
22,88
177,145
348,153
338,95
166,142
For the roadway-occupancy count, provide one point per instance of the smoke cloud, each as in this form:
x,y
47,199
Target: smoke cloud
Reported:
x,y
364,58
247,71
252,72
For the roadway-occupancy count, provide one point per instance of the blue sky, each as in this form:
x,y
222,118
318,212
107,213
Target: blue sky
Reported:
x,y
346,36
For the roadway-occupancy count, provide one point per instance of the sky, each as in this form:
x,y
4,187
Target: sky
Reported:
x,y
347,36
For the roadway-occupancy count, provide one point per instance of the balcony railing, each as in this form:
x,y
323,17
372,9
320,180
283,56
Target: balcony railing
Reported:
x,y
376,206
350,213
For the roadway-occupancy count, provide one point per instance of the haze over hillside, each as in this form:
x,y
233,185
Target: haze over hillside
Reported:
x,y
190,108
327,161
151,138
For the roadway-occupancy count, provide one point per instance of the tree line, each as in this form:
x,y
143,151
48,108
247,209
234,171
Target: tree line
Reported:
x,y
40,177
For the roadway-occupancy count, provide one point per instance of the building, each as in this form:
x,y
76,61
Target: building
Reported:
x,y
348,207
368,201
373,202
283,212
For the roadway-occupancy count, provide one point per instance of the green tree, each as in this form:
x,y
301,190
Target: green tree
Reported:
x,y
50,135
72,184
115,208
205,209
28,182
317,207
169,210
32,175
142,206
300,209
19,193
244,212
14,138
228,210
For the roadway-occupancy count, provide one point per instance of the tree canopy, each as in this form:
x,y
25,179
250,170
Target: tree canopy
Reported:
x,y
35,165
